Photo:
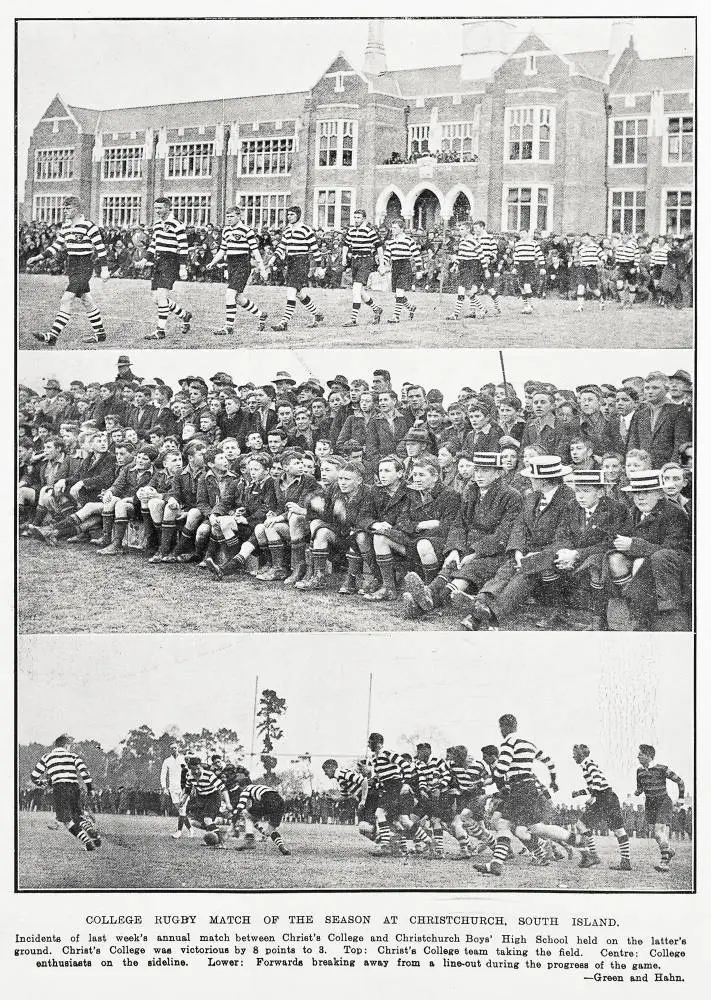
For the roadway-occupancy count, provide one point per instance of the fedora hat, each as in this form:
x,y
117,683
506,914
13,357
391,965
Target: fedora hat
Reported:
x,y
283,377
546,467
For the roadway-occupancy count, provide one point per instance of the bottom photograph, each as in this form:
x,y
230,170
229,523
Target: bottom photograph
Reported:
x,y
313,762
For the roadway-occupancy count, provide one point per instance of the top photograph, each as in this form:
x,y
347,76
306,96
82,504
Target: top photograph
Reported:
x,y
419,182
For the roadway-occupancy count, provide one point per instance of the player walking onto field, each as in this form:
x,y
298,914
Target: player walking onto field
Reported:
x,y
528,259
403,254
172,781
81,241
298,242
603,808
627,261
488,254
168,250
363,245
652,782
65,771
470,269
238,247
590,260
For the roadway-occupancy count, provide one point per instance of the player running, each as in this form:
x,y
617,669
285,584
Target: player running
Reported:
x,y
603,808
298,242
239,247
353,785
80,239
65,772
652,782
364,247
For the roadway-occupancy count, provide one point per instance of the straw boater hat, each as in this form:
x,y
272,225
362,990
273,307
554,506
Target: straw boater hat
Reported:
x,y
486,459
546,467
588,477
643,482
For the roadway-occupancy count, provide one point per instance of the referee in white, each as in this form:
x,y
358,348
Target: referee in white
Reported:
x,y
171,781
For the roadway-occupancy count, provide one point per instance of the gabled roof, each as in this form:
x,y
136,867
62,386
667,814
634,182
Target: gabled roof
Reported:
x,y
86,118
594,63
432,80
262,107
532,43
643,75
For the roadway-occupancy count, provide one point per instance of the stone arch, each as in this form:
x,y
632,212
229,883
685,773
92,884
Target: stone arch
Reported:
x,y
451,197
408,205
381,204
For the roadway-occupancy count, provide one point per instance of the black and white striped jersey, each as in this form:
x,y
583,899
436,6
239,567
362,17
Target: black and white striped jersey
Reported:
x,y
253,794
238,240
60,766
488,249
79,238
589,254
594,778
205,783
350,783
627,253
660,255
404,247
466,777
469,248
362,240
295,241
168,236
388,766
527,251
516,759
432,773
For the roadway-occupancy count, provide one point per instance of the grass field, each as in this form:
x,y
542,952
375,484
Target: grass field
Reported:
x,y
129,314
138,852
72,589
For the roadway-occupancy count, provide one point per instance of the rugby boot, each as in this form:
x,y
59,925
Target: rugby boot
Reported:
x,y
419,591
377,314
186,321
48,339
625,865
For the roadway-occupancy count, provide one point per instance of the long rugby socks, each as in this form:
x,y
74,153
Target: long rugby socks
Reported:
x,y
94,318
175,308
230,313
289,310
624,843
250,307
60,321
355,310
386,565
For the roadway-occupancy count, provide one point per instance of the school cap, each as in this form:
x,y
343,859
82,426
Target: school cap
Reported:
x,y
52,383
417,435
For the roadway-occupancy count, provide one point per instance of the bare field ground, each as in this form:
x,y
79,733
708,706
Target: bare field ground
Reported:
x,y
129,314
138,852
72,589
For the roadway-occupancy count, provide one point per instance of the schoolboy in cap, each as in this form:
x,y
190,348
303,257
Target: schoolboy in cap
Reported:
x,y
476,543
650,561
529,567
239,246
415,444
584,534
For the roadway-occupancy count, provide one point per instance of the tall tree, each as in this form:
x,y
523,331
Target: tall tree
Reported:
x,y
271,708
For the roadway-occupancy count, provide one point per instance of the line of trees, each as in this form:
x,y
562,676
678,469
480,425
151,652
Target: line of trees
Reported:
x,y
136,762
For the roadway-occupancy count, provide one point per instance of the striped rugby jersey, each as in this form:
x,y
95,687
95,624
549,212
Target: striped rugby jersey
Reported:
x,y
516,757
660,255
589,254
363,239
206,783
432,773
488,248
627,253
467,777
350,783
168,236
470,248
295,241
238,240
527,251
388,766
594,778
61,767
653,780
251,795
403,247
79,238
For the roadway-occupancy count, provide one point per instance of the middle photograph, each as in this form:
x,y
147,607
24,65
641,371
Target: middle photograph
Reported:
x,y
355,491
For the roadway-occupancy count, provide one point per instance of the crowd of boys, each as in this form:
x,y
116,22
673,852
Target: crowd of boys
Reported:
x,y
567,496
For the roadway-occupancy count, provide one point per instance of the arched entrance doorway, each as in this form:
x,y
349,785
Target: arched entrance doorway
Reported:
x,y
393,207
461,209
426,214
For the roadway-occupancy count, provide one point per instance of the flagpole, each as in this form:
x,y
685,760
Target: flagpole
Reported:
x,y
370,705
254,718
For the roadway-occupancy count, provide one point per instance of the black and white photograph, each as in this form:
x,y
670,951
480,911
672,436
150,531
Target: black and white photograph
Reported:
x,y
212,766
356,491
542,174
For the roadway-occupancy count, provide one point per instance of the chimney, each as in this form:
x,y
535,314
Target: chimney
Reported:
x,y
620,35
486,41
375,63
